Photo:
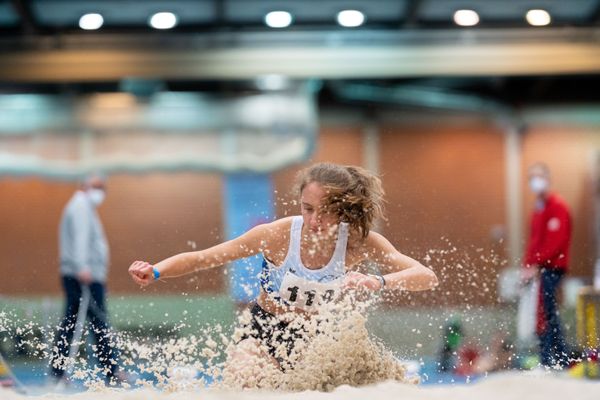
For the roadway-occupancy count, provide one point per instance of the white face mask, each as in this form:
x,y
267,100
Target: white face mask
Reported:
x,y
96,196
538,184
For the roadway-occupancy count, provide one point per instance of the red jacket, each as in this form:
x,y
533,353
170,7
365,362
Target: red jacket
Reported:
x,y
550,235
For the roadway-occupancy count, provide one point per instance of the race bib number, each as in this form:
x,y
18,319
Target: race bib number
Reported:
x,y
305,294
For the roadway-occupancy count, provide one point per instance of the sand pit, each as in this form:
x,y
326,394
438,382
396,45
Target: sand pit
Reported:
x,y
503,386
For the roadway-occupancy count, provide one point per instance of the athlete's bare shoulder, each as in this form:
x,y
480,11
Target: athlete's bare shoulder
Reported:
x,y
366,249
276,236
283,222
278,226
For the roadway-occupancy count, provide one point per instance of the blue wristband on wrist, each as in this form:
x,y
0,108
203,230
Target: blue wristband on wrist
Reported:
x,y
155,273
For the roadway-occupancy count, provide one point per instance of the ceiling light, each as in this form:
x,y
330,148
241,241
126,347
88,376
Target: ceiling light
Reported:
x,y
466,18
350,18
278,19
163,20
538,17
91,21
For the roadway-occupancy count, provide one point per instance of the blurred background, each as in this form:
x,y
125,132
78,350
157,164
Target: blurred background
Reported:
x,y
200,112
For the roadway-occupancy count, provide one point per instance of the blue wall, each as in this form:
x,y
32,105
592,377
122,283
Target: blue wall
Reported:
x,y
248,202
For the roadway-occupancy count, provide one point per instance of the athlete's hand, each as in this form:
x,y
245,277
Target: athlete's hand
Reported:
x,y
528,274
356,280
141,273
85,277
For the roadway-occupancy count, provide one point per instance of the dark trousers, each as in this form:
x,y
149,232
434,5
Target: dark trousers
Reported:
x,y
553,349
96,315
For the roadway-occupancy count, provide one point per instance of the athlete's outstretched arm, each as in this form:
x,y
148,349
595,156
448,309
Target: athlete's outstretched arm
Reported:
x,y
245,245
400,271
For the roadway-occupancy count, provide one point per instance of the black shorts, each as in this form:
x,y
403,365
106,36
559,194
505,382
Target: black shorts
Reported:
x,y
272,332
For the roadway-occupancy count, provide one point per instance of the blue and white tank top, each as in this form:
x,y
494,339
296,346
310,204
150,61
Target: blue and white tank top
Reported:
x,y
294,284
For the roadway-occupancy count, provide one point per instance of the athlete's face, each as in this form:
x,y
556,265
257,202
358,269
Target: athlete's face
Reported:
x,y
310,204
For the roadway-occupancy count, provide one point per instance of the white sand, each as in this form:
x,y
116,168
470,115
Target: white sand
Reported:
x,y
504,386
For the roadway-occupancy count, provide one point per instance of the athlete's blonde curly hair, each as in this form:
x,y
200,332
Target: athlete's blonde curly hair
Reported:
x,y
354,194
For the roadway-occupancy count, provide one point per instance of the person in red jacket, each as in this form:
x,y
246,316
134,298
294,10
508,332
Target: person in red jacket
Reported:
x,y
547,256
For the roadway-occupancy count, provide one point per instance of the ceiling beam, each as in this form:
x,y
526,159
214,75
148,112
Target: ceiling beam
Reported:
x,y
594,16
470,55
412,14
219,6
29,24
